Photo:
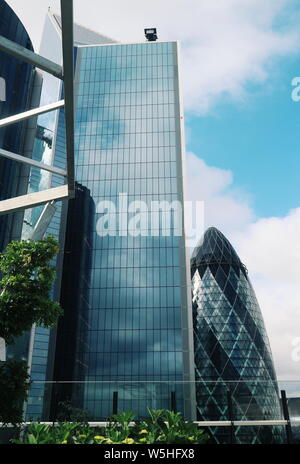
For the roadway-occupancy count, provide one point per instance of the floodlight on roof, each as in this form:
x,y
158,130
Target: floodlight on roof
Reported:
x,y
150,34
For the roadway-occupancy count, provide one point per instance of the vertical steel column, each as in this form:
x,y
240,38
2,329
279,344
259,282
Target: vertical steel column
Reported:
x,y
68,77
115,403
230,416
286,415
173,401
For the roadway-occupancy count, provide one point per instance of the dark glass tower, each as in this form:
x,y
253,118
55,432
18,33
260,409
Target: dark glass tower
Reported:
x,y
19,78
76,276
232,350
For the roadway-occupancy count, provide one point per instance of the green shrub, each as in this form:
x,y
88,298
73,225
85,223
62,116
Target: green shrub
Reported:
x,y
165,426
162,426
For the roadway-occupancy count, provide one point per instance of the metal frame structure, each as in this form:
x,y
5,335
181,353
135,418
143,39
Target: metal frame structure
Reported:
x,y
65,73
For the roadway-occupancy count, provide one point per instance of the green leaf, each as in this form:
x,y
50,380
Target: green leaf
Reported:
x,y
25,285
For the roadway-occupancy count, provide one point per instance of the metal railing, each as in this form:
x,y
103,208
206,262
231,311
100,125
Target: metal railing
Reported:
x,y
241,412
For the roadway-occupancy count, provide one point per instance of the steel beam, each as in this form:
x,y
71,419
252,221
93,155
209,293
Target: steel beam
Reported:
x,y
286,415
43,221
68,71
33,199
24,54
256,423
29,114
31,162
2,349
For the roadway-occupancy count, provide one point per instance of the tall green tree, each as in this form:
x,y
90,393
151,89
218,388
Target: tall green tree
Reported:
x,y
26,280
25,286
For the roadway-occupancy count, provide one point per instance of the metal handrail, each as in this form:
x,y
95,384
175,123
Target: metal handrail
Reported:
x,y
236,423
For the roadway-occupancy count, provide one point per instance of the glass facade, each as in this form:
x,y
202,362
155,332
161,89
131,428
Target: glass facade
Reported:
x,y
45,151
49,147
21,94
74,295
134,311
232,350
19,78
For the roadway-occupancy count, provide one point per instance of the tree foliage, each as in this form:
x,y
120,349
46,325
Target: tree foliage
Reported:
x,y
25,286
14,385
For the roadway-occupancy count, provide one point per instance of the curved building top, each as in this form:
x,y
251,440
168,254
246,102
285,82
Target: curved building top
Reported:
x,y
12,28
214,248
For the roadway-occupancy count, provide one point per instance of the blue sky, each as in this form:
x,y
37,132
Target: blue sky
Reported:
x,y
257,139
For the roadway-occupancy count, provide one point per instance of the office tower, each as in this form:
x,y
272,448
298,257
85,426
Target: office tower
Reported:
x,y
20,89
232,351
137,316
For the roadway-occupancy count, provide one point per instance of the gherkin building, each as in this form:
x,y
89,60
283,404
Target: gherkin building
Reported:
x,y
232,350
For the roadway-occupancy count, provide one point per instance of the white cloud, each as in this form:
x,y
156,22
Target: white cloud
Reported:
x,y
232,46
224,206
270,249
225,43
277,238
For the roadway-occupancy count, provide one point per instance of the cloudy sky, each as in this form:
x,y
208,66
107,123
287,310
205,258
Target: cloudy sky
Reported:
x,y
242,129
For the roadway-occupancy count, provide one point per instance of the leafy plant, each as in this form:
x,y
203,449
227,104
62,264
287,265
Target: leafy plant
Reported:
x,y
36,434
40,434
162,426
25,285
64,432
119,430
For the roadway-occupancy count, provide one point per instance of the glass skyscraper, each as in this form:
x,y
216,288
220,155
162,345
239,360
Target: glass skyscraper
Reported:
x,y
232,350
135,316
